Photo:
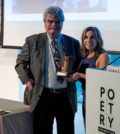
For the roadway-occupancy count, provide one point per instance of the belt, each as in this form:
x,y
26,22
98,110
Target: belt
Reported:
x,y
56,91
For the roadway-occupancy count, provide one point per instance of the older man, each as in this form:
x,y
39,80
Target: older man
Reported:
x,y
36,66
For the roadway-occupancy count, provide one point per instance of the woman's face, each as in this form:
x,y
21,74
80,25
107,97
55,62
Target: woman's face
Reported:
x,y
90,41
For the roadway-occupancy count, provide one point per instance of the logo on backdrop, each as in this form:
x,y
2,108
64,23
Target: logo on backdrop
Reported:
x,y
106,110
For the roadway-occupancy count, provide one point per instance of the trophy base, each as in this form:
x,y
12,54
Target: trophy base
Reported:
x,y
62,74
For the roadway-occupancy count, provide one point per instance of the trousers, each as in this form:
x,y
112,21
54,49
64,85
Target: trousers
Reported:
x,y
53,106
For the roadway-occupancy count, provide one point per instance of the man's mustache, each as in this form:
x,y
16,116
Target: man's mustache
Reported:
x,y
52,27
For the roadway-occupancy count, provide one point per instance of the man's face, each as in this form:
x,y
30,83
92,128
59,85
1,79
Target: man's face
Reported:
x,y
53,26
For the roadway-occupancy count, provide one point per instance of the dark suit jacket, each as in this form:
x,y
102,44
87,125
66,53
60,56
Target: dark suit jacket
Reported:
x,y
30,64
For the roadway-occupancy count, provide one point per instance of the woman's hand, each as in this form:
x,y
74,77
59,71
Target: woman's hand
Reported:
x,y
69,79
73,77
76,76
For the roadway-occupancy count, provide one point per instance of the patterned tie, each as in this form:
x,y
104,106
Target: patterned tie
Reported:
x,y
56,57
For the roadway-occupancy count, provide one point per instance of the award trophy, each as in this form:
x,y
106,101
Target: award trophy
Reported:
x,y
66,66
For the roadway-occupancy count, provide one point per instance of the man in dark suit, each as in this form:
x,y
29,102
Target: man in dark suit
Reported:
x,y
36,68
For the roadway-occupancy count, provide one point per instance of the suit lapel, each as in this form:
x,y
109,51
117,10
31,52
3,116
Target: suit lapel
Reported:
x,y
41,47
68,50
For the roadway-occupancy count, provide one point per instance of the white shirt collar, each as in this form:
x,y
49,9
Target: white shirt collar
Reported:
x,y
57,40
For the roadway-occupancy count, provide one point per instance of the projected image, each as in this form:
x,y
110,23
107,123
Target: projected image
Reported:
x,y
38,6
25,17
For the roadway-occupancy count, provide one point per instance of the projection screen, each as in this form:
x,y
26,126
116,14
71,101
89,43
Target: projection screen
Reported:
x,y
25,17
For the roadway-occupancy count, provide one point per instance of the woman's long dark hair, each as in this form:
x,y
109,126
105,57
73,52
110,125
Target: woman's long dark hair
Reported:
x,y
99,48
